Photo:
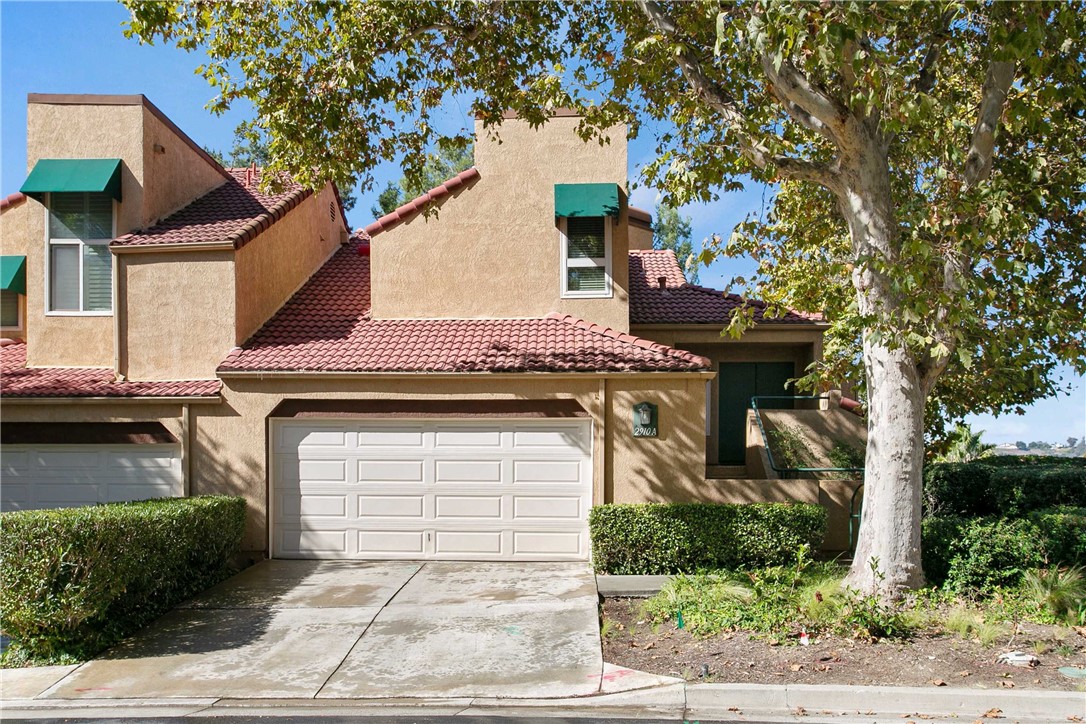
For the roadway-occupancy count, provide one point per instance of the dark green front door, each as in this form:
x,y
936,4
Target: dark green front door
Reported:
x,y
738,382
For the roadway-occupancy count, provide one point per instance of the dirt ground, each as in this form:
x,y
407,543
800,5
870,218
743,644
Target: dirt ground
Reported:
x,y
925,660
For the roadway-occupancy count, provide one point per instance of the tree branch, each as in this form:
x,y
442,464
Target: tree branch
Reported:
x,y
790,85
997,84
925,79
724,104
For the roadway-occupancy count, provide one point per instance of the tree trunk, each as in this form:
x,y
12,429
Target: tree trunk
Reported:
x,y
887,558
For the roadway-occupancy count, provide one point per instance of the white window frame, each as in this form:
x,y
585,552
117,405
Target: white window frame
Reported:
x,y
565,262
20,302
49,243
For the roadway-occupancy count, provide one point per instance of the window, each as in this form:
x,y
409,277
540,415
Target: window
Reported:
x,y
9,309
80,265
586,256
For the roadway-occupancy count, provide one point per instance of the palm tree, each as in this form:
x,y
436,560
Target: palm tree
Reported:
x,y
965,445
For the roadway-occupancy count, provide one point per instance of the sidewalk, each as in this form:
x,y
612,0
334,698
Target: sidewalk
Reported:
x,y
626,694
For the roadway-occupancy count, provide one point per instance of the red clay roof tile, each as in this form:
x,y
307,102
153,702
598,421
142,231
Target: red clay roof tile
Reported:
x,y
326,327
683,303
19,381
232,213
12,200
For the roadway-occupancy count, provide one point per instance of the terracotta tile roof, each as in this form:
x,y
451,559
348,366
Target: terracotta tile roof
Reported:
x,y
12,200
327,327
233,213
683,303
19,381
416,206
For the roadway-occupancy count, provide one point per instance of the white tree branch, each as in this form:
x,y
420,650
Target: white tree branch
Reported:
x,y
997,84
790,85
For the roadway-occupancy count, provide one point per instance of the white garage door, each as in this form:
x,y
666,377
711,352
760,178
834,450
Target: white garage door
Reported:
x,y
62,476
418,489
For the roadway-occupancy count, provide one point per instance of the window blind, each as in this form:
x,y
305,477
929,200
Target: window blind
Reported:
x,y
9,309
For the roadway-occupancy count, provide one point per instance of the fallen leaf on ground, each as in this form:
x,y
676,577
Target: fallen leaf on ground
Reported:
x,y
796,667
1007,684
964,673
937,682
735,709
1074,718
993,713
800,711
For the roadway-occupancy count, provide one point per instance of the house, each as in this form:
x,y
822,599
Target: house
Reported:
x,y
463,379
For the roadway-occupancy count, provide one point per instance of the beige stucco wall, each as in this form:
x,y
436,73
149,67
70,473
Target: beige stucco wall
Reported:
x,y
178,312
271,267
640,236
494,248
670,467
174,175
78,131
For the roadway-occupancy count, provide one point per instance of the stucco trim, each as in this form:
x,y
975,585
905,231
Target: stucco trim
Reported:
x,y
179,246
302,374
444,408
14,401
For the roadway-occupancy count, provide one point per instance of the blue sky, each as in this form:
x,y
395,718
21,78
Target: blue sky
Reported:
x,y
78,47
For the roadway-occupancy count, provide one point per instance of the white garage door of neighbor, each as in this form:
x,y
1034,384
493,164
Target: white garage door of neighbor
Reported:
x,y
429,489
63,476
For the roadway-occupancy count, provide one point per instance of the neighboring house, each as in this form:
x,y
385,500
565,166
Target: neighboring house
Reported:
x,y
462,379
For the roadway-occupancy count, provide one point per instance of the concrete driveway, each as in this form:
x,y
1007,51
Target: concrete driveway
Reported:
x,y
301,629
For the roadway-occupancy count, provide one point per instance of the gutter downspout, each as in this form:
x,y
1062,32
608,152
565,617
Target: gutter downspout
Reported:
x,y
116,272
186,450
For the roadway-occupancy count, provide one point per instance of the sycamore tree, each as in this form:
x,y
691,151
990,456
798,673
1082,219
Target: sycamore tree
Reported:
x,y
671,230
928,161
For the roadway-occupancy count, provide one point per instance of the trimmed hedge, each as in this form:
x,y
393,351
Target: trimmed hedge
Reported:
x,y
664,538
975,554
984,488
75,581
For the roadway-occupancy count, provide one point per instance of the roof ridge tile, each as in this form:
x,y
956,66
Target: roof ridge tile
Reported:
x,y
409,209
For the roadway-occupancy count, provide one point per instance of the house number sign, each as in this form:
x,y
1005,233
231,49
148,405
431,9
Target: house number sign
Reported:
x,y
646,421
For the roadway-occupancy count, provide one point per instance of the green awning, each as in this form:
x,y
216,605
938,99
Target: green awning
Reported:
x,y
586,200
58,175
13,274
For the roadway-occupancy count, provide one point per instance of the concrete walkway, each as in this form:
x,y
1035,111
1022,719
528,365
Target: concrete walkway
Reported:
x,y
301,630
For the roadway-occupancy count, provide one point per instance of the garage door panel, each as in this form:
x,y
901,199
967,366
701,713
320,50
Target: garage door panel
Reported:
x,y
561,438
407,437
401,542
544,543
440,489
550,507
320,506
547,471
467,437
467,506
408,471
61,476
468,471
293,437
452,543
390,506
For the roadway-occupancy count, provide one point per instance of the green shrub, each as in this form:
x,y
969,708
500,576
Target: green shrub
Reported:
x,y
1063,530
992,487
663,538
980,554
77,580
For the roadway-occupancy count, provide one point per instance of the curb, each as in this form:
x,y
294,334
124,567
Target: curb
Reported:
x,y
630,586
688,702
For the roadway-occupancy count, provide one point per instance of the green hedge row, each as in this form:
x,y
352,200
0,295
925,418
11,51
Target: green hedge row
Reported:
x,y
1014,489
75,581
663,538
975,554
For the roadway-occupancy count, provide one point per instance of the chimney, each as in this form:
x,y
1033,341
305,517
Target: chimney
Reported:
x,y
662,281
